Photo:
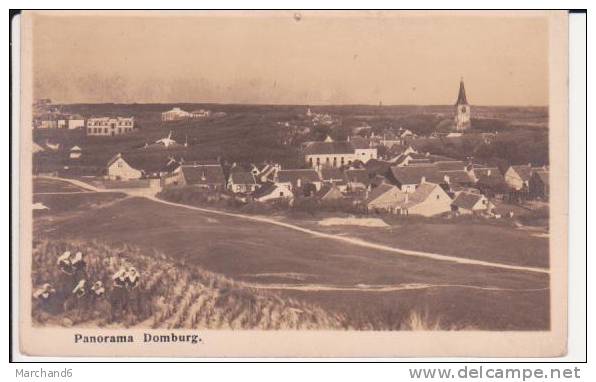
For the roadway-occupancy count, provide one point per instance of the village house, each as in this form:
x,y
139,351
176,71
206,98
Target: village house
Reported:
x,y
127,166
175,114
429,199
75,152
408,178
107,126
207,176
272,191
518,176
265,172
298,179
329,192
242,182
539,184
330,153
358,179
466,203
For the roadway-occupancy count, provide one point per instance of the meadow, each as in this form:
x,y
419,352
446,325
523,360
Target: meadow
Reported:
x,y
365,288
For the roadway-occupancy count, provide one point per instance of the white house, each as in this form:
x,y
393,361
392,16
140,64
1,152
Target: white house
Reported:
x,y
75,152
272,191
330,153
175,114
120,169
107,126
76,123
518,177
466,203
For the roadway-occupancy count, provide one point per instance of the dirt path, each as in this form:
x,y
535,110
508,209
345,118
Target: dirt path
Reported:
x,y
380,288
345,239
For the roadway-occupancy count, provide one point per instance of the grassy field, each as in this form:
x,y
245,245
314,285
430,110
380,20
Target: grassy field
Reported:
x,y
169,294
488,242
338,277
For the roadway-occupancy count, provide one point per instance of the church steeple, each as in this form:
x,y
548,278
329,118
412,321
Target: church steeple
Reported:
x,y
461,97
462,109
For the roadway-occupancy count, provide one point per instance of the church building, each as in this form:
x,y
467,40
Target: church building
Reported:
x,y
462,109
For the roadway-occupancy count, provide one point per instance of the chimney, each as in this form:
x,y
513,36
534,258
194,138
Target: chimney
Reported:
x,y
423,179
488,172
299,182
446,178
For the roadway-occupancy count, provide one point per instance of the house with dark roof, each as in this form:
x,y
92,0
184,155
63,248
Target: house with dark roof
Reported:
x,y
329,192
518,176
539,184
272,191
298,178
242,182
358,179
466,203
409,177
208,176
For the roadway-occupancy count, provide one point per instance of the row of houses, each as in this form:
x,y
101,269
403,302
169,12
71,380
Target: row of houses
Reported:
x,y
96,126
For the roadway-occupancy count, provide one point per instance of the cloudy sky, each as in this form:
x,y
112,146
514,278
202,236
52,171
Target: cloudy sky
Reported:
x,y
286,58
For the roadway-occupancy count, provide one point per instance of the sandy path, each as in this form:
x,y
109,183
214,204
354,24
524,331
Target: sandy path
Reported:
x,y
380,288
345,239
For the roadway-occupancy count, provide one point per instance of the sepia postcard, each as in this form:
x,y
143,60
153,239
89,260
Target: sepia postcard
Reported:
x,y
292,184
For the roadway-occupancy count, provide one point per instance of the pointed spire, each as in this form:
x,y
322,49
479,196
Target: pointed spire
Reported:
x,y
461,97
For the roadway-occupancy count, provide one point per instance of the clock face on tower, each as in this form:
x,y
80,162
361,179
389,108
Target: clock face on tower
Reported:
x,y
463,109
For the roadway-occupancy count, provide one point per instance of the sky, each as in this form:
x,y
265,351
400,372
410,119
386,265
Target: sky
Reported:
x,y
291,58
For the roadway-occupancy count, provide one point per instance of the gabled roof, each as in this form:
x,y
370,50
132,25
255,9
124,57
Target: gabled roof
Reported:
x,y
414,174
524,171
326,190
467,200
375,166
332,174
460,176
292,176
242,177
147,163
358,176
326,148
450,165
542,175
203,174
461,96
379,191
422,193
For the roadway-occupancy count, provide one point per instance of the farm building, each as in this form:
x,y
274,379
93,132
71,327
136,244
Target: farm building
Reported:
x,y
329,192
126,166
242,182
428,199
295,179
106,126
272,191
518,177
76,122
209,176
466,203
358,179
409,177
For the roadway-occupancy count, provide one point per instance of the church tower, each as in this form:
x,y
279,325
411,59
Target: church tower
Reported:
x,y
462,109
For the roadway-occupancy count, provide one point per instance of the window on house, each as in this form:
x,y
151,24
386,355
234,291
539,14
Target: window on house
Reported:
x,y
438,197
281,193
